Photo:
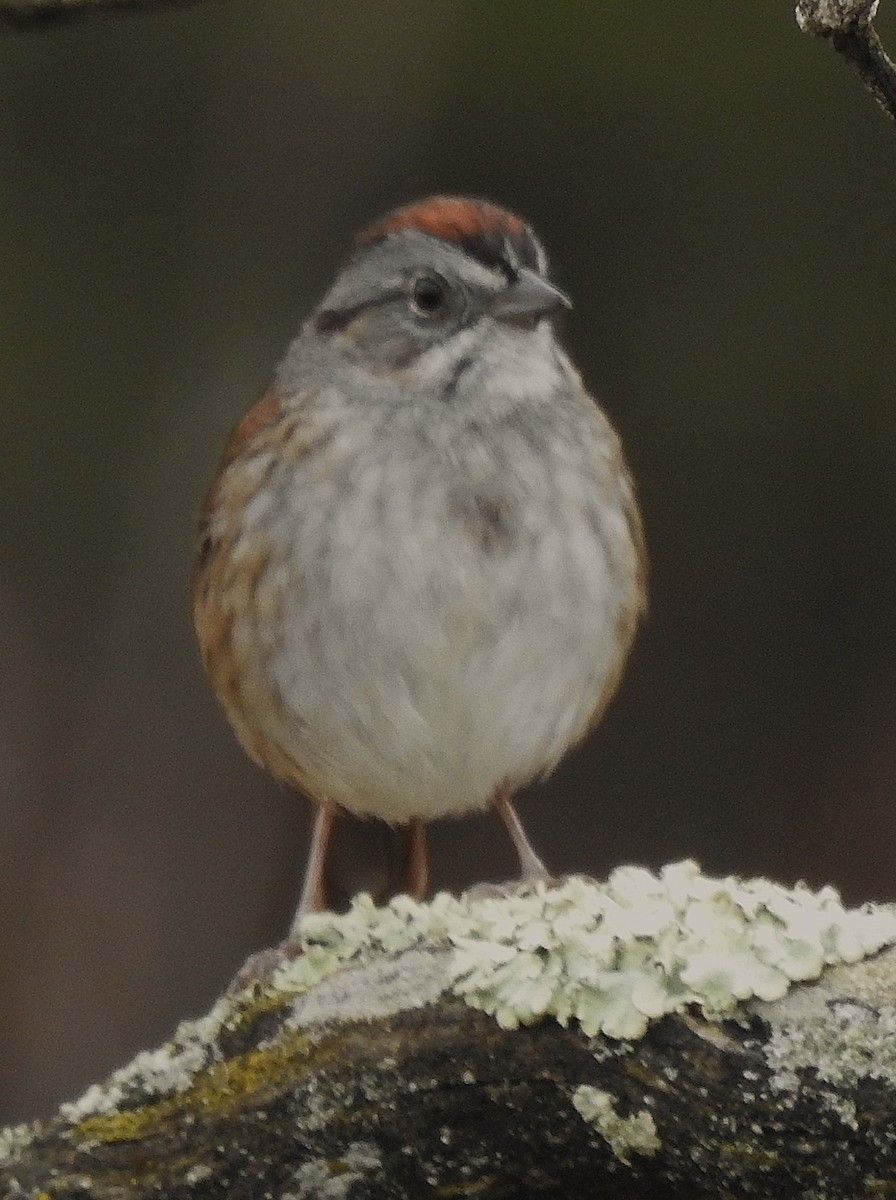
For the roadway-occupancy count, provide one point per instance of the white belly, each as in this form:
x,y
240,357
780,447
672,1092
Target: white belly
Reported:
x,y
437,643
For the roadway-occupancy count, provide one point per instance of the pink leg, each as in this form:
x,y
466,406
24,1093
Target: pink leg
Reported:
x,y
531,866
409,863
314,896
416,880
258,967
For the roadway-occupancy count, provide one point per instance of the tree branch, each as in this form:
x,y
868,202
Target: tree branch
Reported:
x,y
581,1041
24,13
847,24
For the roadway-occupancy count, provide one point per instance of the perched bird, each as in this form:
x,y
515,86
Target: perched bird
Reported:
x,y
421,563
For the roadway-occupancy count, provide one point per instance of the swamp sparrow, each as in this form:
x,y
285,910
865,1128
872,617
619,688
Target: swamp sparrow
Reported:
x,y
421,565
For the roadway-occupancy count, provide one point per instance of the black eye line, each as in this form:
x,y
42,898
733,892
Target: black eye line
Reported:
x,y
332,319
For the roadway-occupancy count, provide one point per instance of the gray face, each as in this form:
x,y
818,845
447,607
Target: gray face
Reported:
x,y
412,292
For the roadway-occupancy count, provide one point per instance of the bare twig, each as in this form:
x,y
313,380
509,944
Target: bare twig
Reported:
x,y
847,24
25,13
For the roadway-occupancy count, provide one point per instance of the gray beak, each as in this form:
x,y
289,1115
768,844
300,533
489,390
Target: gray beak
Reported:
x,y
526,298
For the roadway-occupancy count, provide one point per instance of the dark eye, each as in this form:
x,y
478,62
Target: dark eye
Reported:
x,y
429,295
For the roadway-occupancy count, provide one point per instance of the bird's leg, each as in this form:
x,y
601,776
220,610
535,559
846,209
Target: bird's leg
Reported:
x,y
531,866
416,878
315,897
259,967
408,863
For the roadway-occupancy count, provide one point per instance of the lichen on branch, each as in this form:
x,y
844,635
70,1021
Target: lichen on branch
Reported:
x,y
552,1040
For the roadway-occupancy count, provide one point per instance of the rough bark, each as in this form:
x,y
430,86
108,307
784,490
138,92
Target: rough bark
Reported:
x,y
848,26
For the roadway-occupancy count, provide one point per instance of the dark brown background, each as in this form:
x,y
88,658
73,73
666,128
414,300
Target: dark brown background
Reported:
x,y
717,191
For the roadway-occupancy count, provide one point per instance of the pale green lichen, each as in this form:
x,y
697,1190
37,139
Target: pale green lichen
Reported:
x,y
14,1141
841,1040
169,1069
610,956
415,979
635,1134
334,1178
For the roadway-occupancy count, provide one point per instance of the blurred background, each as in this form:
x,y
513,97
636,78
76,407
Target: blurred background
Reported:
x,y
176,188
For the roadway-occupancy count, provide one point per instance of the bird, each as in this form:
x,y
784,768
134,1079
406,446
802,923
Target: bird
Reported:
x,y
421,562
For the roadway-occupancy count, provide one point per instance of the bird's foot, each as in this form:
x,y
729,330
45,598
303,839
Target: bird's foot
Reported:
x,y
511,887
260,967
